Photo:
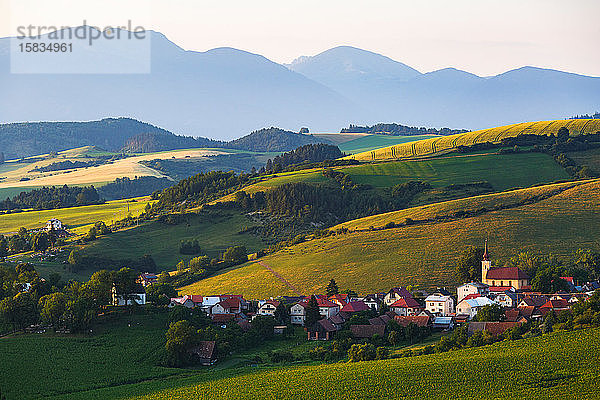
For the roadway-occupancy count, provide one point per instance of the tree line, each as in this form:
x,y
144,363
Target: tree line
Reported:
x,y
47,198
400,130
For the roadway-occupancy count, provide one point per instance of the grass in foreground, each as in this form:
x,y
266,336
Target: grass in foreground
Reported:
x,y
560,365
423,254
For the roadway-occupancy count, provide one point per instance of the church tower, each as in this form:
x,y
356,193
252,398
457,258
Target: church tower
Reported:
x,y
485,264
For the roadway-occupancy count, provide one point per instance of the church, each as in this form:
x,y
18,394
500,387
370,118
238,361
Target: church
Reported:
x,y
502,276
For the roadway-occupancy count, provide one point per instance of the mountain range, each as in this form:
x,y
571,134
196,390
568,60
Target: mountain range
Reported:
x,y
224,93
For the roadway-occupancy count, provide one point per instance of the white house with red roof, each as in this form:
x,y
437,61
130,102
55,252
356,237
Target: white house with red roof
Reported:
x,y
471,288
406,306
268,308
189,301
394,294
327,309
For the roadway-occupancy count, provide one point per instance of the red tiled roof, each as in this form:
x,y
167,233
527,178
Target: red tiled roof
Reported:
x,y
512,314
367,331
510,273
494,328
527,311
220,318
568,279
355,306
327,325
556,304
419,320
406,302
471,296
274,303
196,298
500,288
231,302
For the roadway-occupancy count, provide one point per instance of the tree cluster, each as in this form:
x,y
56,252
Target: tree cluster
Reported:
x,y
307,154
400,130
47,198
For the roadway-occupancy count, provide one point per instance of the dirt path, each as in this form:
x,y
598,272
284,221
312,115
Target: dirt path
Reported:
x,y
281,278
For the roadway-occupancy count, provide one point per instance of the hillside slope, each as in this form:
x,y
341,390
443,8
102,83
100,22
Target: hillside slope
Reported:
x,y
445,143
560,365
424,253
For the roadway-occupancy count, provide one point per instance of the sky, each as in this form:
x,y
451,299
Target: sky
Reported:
x,y
484,37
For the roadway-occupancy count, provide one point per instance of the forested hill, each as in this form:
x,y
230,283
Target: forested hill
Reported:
x,y
149,142
33,138
400,130
129,135
273,139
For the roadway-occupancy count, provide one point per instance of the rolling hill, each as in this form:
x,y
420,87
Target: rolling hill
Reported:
x,y
444,144
424,253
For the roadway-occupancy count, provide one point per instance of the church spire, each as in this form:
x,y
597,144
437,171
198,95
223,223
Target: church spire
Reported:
x,y
485,252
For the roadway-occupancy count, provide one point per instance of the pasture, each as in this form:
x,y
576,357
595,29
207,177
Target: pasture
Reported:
x,y
372,142
77,219
422,254
215,233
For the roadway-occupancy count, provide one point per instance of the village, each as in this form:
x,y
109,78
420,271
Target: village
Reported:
x,y
504,289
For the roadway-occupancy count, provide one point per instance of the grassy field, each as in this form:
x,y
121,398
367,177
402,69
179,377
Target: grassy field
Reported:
x,y
161,241
35,366
421,254
591,158
372,142
445,143
77,219
559,365
502,171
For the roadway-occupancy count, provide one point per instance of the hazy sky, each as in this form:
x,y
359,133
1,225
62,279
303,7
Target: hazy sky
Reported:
x,y
481,36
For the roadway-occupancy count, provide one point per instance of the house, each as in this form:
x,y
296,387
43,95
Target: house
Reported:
x,y
367,331
136,296
339,299
514,315
443,323
555,305
268,308
406,306
419,320
502,276
395,294
337,320
471,288
228,305
381,320
533,301
323,329
54,224
189,301
222,319
208,302
440,304
204,352
298,313
508,299
327,309
470,305
184,301
373,301
355,307
147,279
494,328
